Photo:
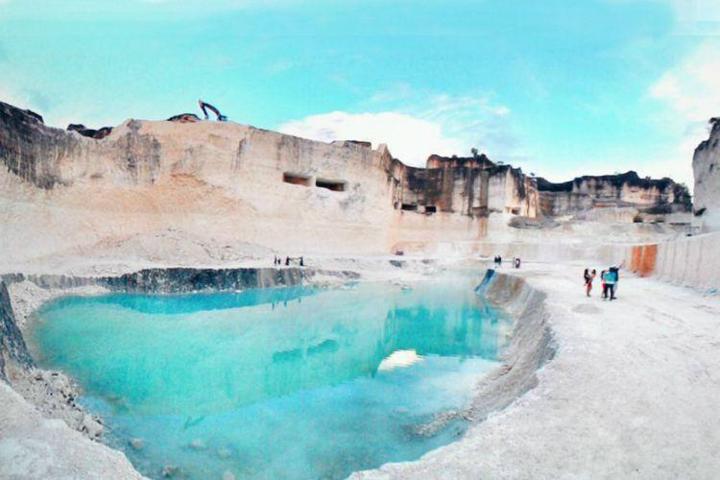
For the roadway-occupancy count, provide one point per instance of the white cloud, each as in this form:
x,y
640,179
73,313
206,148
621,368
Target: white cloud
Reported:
x,y
690,92
445,125
409,138
692,88
697,17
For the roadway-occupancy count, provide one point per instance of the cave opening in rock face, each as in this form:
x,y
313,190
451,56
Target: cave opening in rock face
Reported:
x,y
334,185
296,179
295,383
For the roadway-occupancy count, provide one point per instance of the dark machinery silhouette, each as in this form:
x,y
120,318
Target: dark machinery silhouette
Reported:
x,y
206,106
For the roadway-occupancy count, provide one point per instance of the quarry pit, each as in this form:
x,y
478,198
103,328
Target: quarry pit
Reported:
x,y
167,207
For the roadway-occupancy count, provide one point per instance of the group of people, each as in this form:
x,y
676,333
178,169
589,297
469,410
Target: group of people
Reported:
x,y
609,279
515,261
279,261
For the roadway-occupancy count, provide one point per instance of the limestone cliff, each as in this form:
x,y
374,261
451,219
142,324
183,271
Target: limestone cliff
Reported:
x,y
473,186
706,169
232,186
650,196
235,183
222,181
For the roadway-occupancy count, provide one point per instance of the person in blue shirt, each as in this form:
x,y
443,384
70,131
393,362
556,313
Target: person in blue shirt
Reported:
x,y
610,279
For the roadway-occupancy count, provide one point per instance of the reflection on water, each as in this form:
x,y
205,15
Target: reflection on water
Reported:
x,y
190,303
283,382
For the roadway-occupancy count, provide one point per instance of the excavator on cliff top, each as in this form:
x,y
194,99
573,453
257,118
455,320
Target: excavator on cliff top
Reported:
x,y
206,106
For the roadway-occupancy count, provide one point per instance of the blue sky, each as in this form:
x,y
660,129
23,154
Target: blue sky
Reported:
x,y
558,87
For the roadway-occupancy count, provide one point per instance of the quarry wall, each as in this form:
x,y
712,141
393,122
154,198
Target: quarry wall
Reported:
x,y
232,183
706,169
204,179
690,261
66,192
649,196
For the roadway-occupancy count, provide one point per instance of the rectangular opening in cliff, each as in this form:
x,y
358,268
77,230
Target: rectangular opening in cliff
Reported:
x,y
409,206
296,179
430,209
334,185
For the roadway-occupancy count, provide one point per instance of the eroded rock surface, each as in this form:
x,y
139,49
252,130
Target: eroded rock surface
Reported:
x,y
706,168
229,183
89,132
651,196
12,344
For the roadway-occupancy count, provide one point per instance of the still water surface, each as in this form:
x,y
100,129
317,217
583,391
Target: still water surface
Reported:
x,y
283,383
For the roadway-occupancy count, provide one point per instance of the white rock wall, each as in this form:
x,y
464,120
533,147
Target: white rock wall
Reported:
x,y
689,261
706,169
223,183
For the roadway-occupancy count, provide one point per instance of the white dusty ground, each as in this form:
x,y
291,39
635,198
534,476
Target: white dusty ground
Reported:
x,y
34,447
632,393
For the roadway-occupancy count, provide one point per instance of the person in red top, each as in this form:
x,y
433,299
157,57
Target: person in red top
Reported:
x,y
589,277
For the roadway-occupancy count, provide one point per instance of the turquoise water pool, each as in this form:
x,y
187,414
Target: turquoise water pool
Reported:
x,y
285,383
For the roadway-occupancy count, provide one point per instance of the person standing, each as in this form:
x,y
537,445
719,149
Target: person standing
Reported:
x,y
586,279
589,277
615,271
614,277
610,279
